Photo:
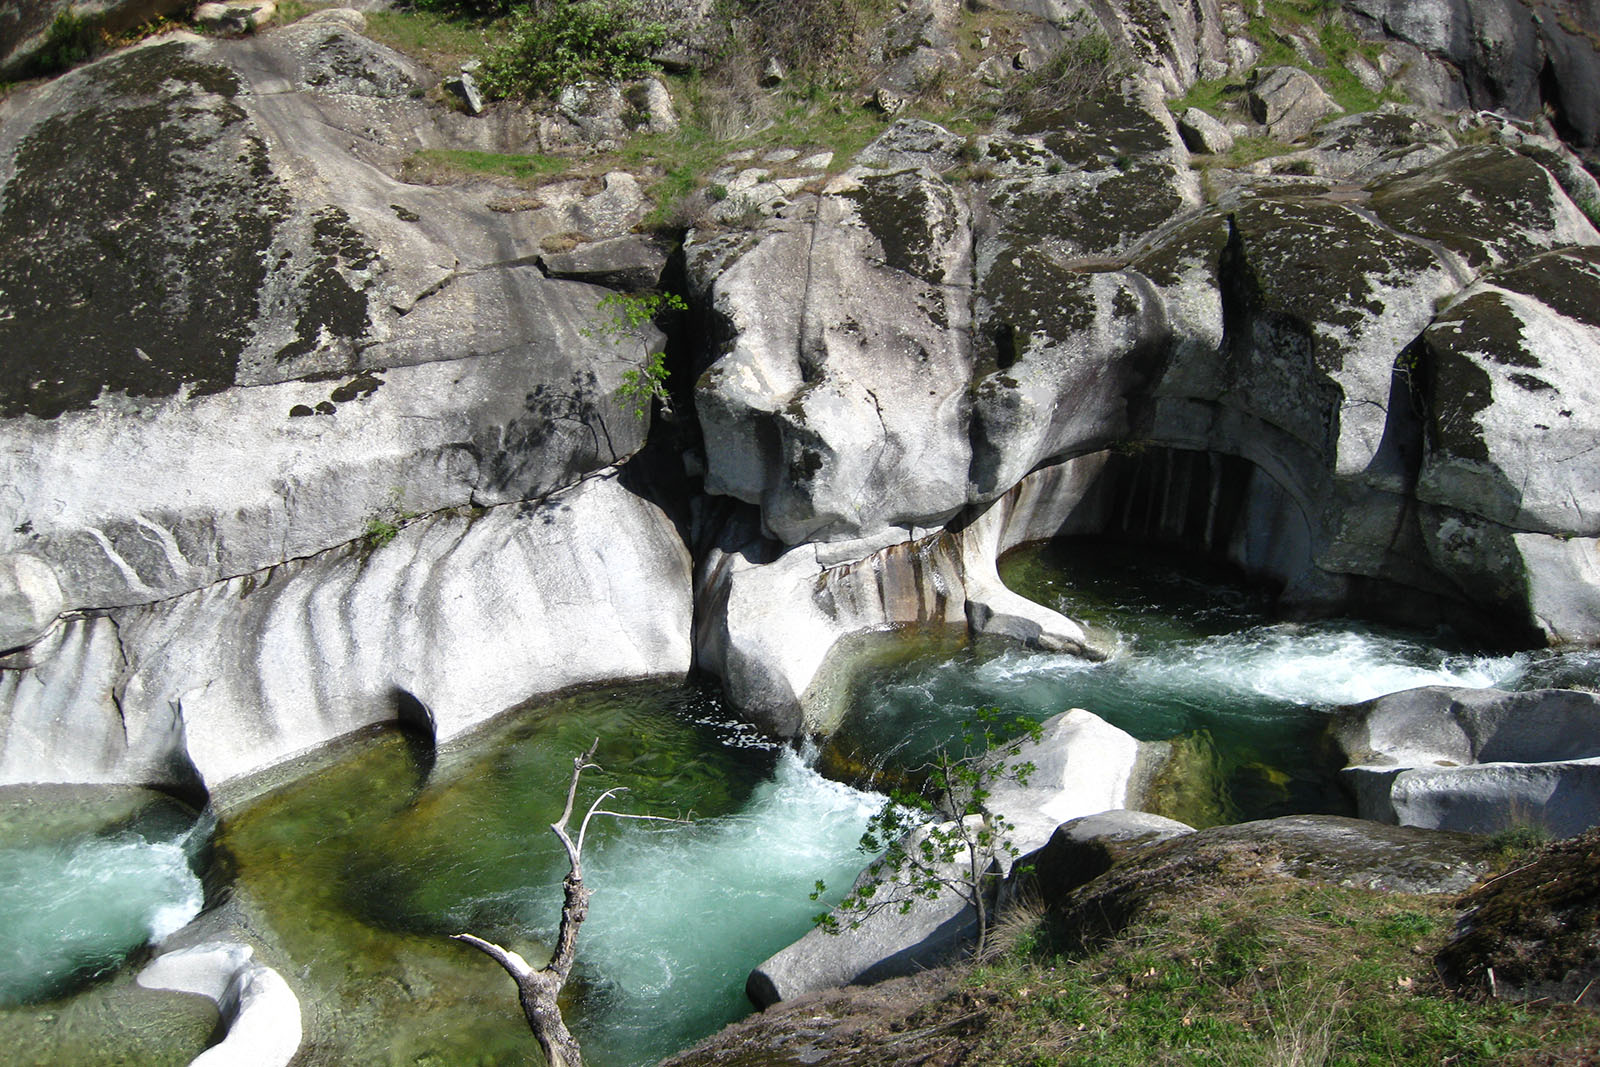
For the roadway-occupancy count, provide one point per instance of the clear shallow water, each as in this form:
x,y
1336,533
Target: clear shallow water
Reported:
x,y
356,873
1197,661
361,871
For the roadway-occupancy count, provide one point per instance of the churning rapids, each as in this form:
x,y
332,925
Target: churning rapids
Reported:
x,y
357,867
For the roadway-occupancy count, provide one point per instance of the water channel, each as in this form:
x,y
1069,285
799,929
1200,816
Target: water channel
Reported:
x,y
361,863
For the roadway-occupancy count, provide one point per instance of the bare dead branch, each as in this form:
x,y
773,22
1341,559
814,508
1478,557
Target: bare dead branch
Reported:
x,y
539,990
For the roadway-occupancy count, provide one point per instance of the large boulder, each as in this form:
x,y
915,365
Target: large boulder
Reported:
x,y
1488,204
1287,314
1523,56
1063,338
861,404
1288,102
838,404
1082,765
249,341
1477,760
1082,849
777,624
1506,476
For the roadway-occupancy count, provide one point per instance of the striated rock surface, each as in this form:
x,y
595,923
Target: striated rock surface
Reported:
x,y
775,623
457,618
398,353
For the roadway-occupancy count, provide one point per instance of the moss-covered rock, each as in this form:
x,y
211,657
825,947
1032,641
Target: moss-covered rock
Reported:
x,y
1488,204
149,283
1534,932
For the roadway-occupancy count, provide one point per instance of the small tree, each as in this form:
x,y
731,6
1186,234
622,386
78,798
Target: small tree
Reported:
x,y
942,837
642,386
538,990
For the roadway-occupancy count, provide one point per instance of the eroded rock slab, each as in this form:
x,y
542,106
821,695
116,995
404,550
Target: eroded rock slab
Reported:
x,y
458,617
1477,760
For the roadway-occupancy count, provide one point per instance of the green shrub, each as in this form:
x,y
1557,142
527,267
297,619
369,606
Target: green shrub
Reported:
x,y
562,42
73,38
645,385
482,9
809,36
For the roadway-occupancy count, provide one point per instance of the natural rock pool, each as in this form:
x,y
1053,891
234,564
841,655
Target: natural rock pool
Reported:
x,y
353,871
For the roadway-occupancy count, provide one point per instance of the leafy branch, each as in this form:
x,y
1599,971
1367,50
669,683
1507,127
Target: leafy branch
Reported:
x,y
644,385
942,837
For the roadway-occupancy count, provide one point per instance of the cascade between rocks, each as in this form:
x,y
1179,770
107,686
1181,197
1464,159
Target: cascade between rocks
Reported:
x,y
314,570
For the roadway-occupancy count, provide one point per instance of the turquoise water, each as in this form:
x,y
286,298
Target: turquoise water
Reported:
x,y
1198,660
355,871
86,878
361,871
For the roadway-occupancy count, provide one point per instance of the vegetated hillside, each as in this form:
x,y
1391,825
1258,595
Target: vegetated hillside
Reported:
x,y
1234,953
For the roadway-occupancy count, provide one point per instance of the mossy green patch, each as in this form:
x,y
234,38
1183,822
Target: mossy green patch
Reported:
x,y
332,310
913,219
1197,243
1566,280
1096,132
1087,215
1324,264
1482,328
1031,299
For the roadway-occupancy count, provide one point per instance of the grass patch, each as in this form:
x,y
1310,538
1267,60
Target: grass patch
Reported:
x,y
441,164
295,10
437,41
1332,34
1516,843
1212,97
1271,973
1248,150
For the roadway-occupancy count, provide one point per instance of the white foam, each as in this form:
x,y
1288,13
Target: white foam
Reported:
x,y
87,905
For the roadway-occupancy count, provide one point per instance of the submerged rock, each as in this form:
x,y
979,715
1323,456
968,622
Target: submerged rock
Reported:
x,y
260,1013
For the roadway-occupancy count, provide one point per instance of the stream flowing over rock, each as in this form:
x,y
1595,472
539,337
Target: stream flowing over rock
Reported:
x,y
1083,766
298,436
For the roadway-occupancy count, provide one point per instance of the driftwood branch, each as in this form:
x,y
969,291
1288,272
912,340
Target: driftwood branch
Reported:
x,y
538,990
